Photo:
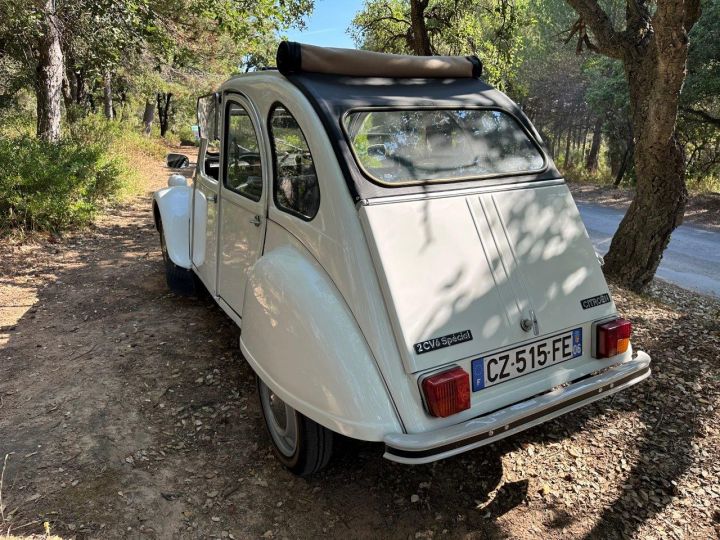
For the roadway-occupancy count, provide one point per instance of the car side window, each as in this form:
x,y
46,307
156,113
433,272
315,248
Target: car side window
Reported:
x,y
243,165
211,160
295,188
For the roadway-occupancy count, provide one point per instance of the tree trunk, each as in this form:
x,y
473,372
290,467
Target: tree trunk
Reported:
x,y
123,107
551,146
50,71
615,154
163,105
591,163
566,163
658,206
107,96
420,38
67,93
627,156
653,47
79,88
148,117
578,138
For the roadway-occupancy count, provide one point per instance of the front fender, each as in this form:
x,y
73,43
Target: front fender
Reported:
x,y
302,340
171,205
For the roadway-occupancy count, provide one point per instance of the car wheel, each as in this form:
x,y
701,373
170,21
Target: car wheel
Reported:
x,y
180,280
301,445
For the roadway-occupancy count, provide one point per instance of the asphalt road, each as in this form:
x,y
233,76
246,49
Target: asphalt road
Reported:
x,y
692,260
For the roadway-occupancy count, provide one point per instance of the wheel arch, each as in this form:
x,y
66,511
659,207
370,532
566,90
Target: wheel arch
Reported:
x,y
156,215
302,340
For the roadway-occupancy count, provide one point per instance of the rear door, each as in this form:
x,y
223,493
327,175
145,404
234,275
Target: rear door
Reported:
x,y
243,198
465,275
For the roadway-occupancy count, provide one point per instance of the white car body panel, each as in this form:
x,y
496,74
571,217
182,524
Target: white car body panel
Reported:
x,y
482,263
201,223
330,308
173,204
299,333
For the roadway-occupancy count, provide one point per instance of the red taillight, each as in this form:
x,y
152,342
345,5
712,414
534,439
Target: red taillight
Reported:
x,y
447,392
613,338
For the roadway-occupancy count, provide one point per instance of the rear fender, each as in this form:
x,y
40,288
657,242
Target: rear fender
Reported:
x,y
302,340
171,208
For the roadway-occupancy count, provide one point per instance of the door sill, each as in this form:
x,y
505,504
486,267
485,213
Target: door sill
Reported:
x,y
230,312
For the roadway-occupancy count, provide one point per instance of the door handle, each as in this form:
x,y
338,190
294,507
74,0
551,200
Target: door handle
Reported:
x,y
212,198
257,221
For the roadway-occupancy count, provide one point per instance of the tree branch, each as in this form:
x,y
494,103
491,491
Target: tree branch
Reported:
x,y
393,17
637,17
674,15
706,117
693,10
607,40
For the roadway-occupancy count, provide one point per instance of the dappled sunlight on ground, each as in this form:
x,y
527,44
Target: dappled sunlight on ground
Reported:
x,y
129,412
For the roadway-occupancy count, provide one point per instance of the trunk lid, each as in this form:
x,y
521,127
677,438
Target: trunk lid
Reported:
x,y
466,274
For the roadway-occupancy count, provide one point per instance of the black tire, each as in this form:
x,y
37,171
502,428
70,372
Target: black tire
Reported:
x,y
314,443
179,280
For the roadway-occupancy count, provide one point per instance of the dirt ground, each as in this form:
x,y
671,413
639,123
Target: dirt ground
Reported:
x,y
128,412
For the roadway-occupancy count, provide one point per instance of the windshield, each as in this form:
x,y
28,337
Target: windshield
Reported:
x,y
416,146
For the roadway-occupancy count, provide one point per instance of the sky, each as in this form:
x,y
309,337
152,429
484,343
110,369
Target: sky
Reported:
x,y
328,24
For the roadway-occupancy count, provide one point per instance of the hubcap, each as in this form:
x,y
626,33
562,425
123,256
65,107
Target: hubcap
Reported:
x,y
281,421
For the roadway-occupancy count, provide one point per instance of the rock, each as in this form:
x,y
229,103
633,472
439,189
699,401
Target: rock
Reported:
x,y
414,498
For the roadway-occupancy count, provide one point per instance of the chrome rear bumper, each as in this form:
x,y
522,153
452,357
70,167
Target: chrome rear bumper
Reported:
x,y
416,448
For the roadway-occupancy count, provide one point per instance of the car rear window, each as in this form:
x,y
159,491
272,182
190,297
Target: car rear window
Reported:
x,y
440,145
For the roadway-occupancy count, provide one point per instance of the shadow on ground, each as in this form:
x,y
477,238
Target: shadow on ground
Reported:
x,y
129,412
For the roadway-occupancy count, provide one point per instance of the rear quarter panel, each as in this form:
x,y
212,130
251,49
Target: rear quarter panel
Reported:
x,y
301,338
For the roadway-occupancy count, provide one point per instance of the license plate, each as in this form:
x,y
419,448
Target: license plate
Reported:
x,y
512,363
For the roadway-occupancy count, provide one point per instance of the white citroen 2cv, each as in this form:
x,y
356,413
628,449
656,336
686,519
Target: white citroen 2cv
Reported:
x,y
404,260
